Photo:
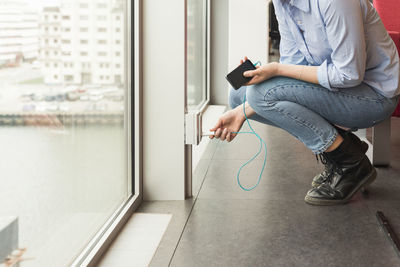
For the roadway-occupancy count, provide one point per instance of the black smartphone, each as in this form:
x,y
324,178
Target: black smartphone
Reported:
x,y
236,78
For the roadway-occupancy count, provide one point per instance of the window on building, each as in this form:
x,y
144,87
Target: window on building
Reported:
x,y
66,41
117,29
102,41
101,29
82,41
102,17
66,17
67,29
117,41
102,54
83,5
68,78
117,17
118,66
117,54
83,17
101,5
83,53
84,29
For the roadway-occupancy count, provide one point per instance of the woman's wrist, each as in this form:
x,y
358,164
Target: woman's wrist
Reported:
x,y
240,114
277,67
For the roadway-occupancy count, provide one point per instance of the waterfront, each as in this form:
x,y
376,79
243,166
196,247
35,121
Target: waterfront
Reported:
x,y
62,183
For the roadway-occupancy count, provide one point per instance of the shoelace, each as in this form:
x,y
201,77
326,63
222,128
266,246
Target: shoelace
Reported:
x,y
334,167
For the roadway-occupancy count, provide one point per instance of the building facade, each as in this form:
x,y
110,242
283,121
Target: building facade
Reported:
x,y
19,33
82,42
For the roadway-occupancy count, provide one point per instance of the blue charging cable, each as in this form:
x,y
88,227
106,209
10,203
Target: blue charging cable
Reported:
x,y
258,153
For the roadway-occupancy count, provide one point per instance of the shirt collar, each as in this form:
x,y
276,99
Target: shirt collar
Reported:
x,y
303,5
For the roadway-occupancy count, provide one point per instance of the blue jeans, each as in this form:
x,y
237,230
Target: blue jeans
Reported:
x,y
309,111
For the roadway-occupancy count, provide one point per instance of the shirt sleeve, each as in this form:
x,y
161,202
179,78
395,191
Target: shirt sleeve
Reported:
x,y
345,31
289,53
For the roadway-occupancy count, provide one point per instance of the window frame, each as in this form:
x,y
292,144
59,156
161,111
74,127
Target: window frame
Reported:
x,y
201,107
93,252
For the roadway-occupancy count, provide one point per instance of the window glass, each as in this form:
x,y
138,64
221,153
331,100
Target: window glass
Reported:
x,y
62,123
196,53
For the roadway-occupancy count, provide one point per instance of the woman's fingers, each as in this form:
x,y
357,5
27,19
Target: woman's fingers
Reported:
x,y
218,125
224,133
229,137
251,73
218,133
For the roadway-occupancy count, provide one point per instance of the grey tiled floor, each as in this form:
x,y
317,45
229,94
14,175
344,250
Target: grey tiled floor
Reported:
x,y
272,225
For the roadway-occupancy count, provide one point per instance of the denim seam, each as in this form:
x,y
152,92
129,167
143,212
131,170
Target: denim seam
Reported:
x,y
315,130
328,142
290,116
305,123
280,86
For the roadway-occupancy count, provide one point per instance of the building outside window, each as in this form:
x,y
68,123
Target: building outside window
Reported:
x,y
63,134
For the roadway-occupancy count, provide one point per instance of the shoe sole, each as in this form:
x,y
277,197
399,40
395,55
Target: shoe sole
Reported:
x,y
369,179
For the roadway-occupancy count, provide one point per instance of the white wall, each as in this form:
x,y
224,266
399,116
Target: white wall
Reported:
x,y
219,51
163,99
163,91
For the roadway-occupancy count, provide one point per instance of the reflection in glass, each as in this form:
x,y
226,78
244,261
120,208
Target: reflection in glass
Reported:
x,y
196,52
62,136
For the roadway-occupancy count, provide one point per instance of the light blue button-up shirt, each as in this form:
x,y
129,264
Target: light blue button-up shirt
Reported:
x,y
345,38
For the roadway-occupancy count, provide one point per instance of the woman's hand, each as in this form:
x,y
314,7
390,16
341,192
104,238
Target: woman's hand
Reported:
x,y
261,73
230,121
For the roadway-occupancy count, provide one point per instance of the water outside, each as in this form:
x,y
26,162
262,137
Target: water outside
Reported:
x,y
63,152
62,184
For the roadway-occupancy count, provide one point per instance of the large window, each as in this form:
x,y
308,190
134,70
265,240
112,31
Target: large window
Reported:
x,y
197,67
64,135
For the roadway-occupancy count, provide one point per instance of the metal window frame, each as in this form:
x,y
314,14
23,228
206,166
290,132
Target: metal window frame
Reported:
x,y
203,105
200,108
98,245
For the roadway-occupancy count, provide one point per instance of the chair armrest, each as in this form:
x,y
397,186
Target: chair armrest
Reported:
x,y
396,38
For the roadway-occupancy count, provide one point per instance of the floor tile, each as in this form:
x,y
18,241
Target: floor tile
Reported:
x,y
281,233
